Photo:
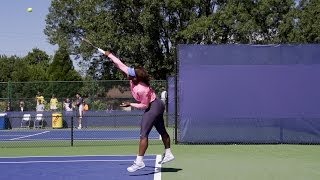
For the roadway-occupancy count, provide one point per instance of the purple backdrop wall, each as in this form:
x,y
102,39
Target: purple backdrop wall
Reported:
x,y
249,94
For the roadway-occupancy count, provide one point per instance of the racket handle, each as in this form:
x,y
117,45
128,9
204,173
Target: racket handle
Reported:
x,y
101,51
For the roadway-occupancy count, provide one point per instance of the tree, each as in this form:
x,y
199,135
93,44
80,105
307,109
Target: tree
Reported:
x,y
37,56
308,22
270,16
140,32
38,62
147,32
61,68
19,71
7,66
245,22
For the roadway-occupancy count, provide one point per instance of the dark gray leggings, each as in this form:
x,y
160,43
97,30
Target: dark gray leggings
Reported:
x,y
153,116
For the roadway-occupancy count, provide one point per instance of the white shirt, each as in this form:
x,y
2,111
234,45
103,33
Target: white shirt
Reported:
x,y
40,107
67,107
163,95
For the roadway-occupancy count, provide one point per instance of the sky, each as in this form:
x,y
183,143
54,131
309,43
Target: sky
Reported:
x,y
21,31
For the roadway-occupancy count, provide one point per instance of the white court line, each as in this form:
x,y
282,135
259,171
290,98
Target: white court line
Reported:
x,y
69,161
88,139
29,135
119,155
157,168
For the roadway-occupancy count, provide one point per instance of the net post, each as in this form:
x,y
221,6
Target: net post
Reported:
x,y
176,99
71,130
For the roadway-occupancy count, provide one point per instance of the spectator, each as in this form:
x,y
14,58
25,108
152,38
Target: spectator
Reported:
x,y
164,96
39,99
85,106
79,108
21,105
84,112
67,105
53,103
8,108
40,106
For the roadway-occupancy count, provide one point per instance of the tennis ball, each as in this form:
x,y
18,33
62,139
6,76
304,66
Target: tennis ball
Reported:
x,y
29,9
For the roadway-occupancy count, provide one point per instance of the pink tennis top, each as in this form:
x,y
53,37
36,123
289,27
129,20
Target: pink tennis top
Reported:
x,y
140,92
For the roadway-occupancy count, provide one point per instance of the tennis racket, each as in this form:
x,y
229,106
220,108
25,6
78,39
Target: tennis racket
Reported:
x,y
87,41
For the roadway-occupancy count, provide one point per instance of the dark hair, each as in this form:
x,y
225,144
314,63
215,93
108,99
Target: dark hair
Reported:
x,y
142,75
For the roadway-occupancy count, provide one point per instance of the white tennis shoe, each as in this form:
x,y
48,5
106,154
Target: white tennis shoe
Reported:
x,y
136,166
166,158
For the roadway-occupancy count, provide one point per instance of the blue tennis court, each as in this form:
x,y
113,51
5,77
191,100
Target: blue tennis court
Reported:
x,y
78,167
83,134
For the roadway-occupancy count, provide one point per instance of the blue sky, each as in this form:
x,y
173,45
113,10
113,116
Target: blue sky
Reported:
x,y
21,31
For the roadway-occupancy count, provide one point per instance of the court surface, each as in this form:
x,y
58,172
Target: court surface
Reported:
x,y
78,167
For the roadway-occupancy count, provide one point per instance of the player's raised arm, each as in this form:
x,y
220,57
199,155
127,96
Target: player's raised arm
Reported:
x,y
116,61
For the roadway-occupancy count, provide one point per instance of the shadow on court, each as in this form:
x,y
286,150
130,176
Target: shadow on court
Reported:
x,y
162,170
170,169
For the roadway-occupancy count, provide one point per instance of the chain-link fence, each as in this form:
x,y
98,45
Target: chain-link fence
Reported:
x,y
99,95
104,123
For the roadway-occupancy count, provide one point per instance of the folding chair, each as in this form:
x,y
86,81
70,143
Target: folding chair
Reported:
x,y
26,121
38,122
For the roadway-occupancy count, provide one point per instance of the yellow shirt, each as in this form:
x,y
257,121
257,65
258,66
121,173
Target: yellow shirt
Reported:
x,y
54,102
40,98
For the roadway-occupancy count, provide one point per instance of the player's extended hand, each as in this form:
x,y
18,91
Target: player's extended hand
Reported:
x,y
125,104
104,52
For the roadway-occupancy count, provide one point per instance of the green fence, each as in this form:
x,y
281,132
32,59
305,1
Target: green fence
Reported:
x,y
106,123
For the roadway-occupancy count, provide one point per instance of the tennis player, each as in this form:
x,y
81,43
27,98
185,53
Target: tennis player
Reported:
x,y
153,110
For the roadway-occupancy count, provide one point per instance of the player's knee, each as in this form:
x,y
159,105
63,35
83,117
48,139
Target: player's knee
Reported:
x,y
143,136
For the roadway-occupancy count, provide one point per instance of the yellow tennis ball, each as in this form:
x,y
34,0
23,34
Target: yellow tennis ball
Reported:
x,y
29,9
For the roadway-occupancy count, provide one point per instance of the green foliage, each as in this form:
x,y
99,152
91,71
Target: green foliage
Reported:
x,y
61,68
140,32
30,74
6,68
37,57
308,21
98,105
37,63
147,32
